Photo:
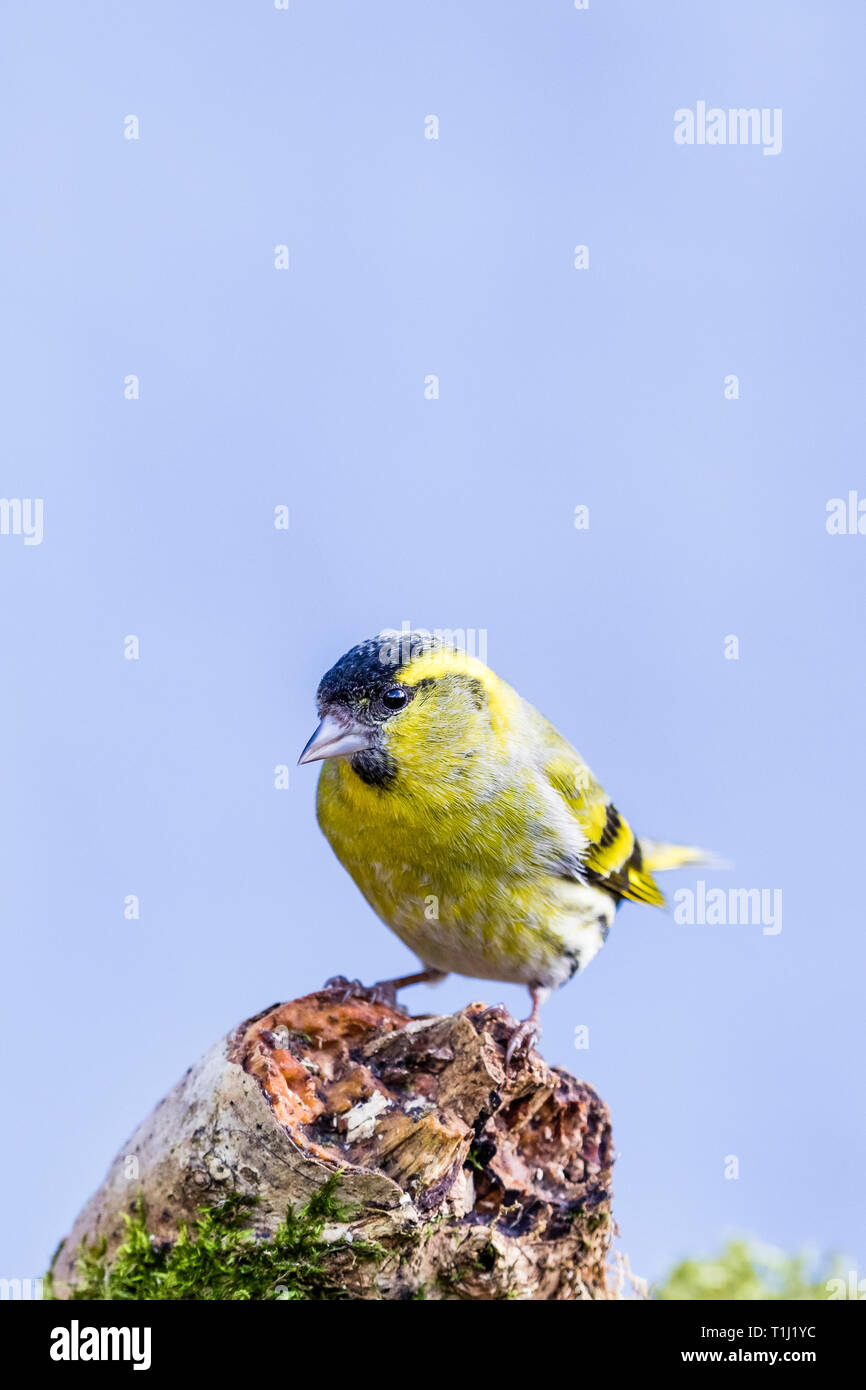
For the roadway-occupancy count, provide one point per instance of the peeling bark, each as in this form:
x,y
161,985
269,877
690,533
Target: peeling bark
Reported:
x,y
475,1181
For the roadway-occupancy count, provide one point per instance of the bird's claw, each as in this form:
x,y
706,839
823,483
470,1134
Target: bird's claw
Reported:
x,y
522,1039
525,1037
382,993
339,983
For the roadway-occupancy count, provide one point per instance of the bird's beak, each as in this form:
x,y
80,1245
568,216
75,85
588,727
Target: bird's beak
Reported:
x,y
336,738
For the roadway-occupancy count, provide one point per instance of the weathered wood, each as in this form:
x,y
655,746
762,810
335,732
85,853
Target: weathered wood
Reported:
x,y
476,1182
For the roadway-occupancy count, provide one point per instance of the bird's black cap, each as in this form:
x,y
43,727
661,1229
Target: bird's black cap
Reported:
x,y
372,667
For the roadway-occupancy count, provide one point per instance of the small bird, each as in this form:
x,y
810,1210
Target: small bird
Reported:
x,y
474,830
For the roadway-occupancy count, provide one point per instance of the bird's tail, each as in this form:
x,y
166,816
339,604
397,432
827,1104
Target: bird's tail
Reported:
x,y
658,856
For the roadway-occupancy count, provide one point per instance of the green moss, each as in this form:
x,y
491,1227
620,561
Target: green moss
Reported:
x,y
747,1270
218,1257
473,1159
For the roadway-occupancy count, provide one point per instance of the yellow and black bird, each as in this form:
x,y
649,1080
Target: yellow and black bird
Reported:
x,y
475,831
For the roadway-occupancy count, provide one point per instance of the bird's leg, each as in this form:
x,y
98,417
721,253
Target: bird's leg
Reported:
x,y
427,976
527,1033
384,991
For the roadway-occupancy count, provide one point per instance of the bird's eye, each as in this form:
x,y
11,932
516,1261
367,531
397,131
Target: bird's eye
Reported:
x,y
395,698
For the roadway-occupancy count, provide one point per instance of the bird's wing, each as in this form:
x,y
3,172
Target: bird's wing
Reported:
x,y
611,856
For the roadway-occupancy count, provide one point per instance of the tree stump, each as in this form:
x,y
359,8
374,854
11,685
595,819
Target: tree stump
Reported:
x,y
458,1177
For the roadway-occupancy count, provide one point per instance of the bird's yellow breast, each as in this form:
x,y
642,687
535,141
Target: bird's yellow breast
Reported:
x,y
462,869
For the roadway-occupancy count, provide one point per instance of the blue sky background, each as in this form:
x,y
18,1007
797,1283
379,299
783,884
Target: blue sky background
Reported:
x,y
557,387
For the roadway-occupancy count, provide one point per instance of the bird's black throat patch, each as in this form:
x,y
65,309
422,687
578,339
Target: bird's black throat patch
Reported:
x,y
374,766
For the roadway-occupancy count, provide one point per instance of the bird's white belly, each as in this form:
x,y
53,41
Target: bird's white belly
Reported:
x,y
516,948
